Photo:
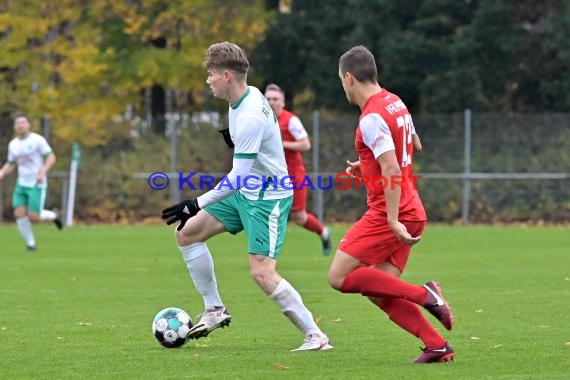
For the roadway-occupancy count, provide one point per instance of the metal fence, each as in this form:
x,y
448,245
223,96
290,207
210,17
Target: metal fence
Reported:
x,y
475,167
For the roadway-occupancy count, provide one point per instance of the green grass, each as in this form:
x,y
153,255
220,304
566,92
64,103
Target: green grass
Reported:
x,y
509,286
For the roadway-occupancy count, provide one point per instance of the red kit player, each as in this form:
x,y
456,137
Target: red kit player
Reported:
x,y
373,253
296,141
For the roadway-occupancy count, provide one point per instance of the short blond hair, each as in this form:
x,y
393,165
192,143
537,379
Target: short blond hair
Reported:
x,y
226,55
274,87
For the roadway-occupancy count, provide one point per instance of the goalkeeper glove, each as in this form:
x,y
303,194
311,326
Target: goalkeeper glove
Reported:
x,y
181,212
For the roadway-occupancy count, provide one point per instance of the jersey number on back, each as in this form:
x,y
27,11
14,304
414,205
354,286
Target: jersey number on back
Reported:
x,y
405,122
266,109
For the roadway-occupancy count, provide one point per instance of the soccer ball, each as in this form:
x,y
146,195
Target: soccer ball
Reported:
x,y
170,327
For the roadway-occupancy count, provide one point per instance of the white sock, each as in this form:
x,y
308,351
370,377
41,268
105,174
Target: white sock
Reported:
x,y
201,269
326,233
25,228
47,215
291,304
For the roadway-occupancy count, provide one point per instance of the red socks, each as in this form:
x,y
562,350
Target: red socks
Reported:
x,y
409,317
376,283
313,224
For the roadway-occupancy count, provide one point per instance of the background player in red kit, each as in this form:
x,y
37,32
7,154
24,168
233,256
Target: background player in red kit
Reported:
x,y
295,141
373,253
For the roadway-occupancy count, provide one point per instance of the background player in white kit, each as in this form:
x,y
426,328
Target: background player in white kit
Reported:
x,y
259,209
33,157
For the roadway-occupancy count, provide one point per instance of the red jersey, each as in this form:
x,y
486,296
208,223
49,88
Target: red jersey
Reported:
x,y
292,130
386,124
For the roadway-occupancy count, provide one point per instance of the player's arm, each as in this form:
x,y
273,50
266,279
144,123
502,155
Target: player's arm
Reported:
x,y
48,164
300,145
378,138
416,140
248,140
49,159
297,130
6,169
392,172
241,168
417,143
392,192
9,166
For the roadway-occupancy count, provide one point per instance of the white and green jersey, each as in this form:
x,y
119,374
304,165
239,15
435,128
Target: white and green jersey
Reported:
x,y
28,154
256,135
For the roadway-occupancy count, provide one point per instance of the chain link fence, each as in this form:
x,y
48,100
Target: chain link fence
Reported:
x,y
475,167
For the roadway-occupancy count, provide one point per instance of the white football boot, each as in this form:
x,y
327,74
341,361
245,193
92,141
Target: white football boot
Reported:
x,y
315,342
211,320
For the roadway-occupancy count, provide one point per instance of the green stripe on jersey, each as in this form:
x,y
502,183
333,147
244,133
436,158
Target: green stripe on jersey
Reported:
x,y
236,104
250,156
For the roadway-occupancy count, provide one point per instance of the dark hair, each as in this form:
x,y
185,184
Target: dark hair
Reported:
x,y
21,114
360,62
226,55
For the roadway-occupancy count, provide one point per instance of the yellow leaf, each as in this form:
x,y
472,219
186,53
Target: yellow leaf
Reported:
x,y
280,366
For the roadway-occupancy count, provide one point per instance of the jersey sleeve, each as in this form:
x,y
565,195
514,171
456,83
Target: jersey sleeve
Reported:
x,y
297,129
43,146
376,134
240,169
247,139
11,156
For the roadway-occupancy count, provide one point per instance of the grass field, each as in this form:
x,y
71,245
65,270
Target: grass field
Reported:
x,y
82,306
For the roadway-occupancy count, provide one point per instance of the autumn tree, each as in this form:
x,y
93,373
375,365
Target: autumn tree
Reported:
x,y
81,63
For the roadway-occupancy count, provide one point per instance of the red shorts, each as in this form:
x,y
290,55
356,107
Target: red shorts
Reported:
x,y
371,240
299,194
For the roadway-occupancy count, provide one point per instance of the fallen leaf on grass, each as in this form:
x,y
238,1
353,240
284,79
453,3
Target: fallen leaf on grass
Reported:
x,y
201,345
475,338
544,326
195,356
4,328
498,345
318,320
479,310
279,366
566,278
337,320
85,324
567,344
60,338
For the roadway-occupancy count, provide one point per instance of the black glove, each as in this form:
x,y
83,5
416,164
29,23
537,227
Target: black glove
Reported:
x,y
181,212
227,137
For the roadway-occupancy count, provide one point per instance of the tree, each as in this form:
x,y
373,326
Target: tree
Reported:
x,y
439,55
81,63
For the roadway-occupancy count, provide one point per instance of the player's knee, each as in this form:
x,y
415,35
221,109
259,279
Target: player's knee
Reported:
x,y
299,217
335,281
19,212
186,236
33,217
259,274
